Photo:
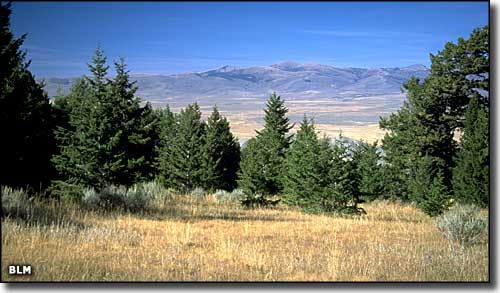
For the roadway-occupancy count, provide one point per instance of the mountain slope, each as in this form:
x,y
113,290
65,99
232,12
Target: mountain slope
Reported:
x,y
290,79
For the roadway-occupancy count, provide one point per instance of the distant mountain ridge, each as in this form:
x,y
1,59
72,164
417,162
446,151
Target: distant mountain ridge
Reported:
x,y
290,79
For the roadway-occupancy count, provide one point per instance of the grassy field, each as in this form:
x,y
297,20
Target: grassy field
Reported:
x,y
203,239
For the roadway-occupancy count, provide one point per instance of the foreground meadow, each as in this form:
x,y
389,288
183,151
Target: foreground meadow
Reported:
x,y
204,239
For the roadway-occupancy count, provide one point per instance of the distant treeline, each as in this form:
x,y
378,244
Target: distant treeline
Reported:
x,y
436,149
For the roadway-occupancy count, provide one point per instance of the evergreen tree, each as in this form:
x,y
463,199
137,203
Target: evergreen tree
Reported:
x,y
221,154
168,123
276,124
82,141
342,192
269,150
368,160
25,116
180,166
77,161
129,132
426,187
251,178
471,175
107,138
302,181
426,124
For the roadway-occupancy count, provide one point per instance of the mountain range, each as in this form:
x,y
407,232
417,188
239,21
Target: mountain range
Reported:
x,y
289,79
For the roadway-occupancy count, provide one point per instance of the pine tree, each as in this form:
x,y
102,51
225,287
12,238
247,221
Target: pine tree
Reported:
x,y
426,124
269,149
426,187
276,124
26,123
99,70
251,177
302,182
107,137
129,132
471,175
181,164
368,160
83,141
221,154
342,192
168,123
77,161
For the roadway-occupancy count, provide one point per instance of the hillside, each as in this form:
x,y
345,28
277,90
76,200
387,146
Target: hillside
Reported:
x,y
347,100
294,80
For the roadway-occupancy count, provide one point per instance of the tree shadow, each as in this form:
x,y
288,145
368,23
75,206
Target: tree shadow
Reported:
x,y
182,214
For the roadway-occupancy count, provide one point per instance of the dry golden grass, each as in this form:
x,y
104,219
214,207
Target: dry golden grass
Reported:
x,y
189,239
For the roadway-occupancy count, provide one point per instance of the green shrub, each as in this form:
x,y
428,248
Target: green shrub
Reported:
x,y
462,224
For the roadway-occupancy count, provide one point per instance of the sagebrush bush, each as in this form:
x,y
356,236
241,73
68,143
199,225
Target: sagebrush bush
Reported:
x,y
156,193
237,194
223,195
111,197
462,224
137,199
198,192
17,204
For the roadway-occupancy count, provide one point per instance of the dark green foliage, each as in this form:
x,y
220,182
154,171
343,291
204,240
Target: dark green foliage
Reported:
x,y
319,176
471,175
167,131
426,187
302,180
342,192
25,116
77,161
181,159
276,124
251,178
371,185
221,154
130,132
107,137
261,165
426,124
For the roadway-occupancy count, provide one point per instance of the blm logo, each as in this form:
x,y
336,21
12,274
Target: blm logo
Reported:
x,y
20,270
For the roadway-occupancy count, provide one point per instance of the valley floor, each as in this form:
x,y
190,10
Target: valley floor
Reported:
x,y
190,239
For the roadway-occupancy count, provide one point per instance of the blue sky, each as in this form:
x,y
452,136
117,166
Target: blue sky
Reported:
x,y
167,37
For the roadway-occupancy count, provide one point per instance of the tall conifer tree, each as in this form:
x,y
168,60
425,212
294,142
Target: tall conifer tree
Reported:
x,y
302,175
271,145
181,164
426,124
471,175
222,154
26,123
